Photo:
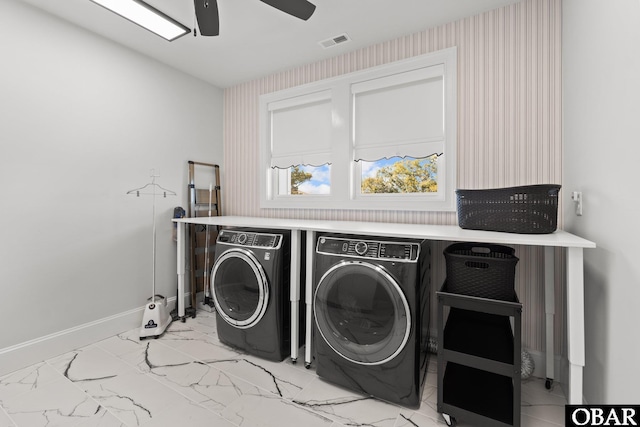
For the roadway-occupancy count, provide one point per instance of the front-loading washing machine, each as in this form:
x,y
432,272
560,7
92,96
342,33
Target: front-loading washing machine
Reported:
x,y
371,312
250,289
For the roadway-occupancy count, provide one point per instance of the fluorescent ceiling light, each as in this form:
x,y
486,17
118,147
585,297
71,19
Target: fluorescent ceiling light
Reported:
x,y
146,16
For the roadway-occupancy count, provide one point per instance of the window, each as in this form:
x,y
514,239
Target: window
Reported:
x,y
382,138
399,175
303,180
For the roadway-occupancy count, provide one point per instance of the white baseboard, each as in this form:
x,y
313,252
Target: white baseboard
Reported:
x,y
37,350
564,380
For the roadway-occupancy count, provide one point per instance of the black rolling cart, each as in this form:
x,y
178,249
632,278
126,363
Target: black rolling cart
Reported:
x,y
479,359
479,336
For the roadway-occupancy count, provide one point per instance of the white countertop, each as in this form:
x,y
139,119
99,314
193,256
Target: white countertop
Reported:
x,y
559,238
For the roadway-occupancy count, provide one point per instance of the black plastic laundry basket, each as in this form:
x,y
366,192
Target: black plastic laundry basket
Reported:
x,y
481,269
529,209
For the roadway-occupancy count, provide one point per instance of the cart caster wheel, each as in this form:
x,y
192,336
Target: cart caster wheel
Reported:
x,y
307,365
547,384
184,319
294,361
451,421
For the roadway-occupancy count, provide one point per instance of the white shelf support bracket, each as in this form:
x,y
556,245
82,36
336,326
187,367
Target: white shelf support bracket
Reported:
x,y
550,311
295,291
308,296
575,324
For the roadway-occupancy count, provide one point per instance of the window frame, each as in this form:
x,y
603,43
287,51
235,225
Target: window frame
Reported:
x,y
344,169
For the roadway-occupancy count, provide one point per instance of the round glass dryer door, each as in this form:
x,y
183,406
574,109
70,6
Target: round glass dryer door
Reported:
x,y
362,313
239,288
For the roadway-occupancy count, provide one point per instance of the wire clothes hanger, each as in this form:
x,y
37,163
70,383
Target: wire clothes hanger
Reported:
x,y
152,189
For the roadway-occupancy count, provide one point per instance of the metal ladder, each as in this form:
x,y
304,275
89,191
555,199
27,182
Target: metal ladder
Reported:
x,y
204,200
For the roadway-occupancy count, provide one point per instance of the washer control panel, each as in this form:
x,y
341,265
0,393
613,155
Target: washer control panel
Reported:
x,y
383,250
250,239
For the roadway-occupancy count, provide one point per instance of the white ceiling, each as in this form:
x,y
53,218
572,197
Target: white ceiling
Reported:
x,y
257,40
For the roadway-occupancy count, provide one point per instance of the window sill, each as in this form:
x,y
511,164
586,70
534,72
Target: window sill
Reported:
x,y
382,203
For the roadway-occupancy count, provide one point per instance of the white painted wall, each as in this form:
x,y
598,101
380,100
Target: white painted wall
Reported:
x,y
601,66
84,120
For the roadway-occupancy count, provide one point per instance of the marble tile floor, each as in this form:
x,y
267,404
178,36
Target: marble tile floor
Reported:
x,y
188,378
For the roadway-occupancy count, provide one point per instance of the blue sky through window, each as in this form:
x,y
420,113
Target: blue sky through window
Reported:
x,y
369,169
320,182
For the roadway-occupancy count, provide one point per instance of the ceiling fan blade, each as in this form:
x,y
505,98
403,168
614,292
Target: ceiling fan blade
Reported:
x,y
207,15
299,8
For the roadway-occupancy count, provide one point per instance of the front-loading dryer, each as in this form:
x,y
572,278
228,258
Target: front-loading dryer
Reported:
x,y
250,289
371,312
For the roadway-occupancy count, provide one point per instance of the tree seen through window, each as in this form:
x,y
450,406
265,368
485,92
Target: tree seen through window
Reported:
x,y
400,175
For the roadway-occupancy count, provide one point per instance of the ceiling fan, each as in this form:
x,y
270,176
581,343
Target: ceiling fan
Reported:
x,y
209,23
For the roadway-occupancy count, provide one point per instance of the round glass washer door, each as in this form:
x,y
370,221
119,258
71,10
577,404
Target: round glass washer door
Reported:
x,y
239,288
362,313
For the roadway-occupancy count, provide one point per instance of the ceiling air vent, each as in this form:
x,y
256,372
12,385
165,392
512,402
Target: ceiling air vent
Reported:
x,y
333,41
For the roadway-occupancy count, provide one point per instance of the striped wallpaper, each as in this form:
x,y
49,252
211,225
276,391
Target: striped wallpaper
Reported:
x,y
509,127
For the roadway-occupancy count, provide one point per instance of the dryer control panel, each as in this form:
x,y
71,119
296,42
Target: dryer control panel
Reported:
x,y
250,239
382,250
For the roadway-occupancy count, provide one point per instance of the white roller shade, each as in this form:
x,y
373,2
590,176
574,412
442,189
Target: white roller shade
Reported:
x,y
301,130
399,115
